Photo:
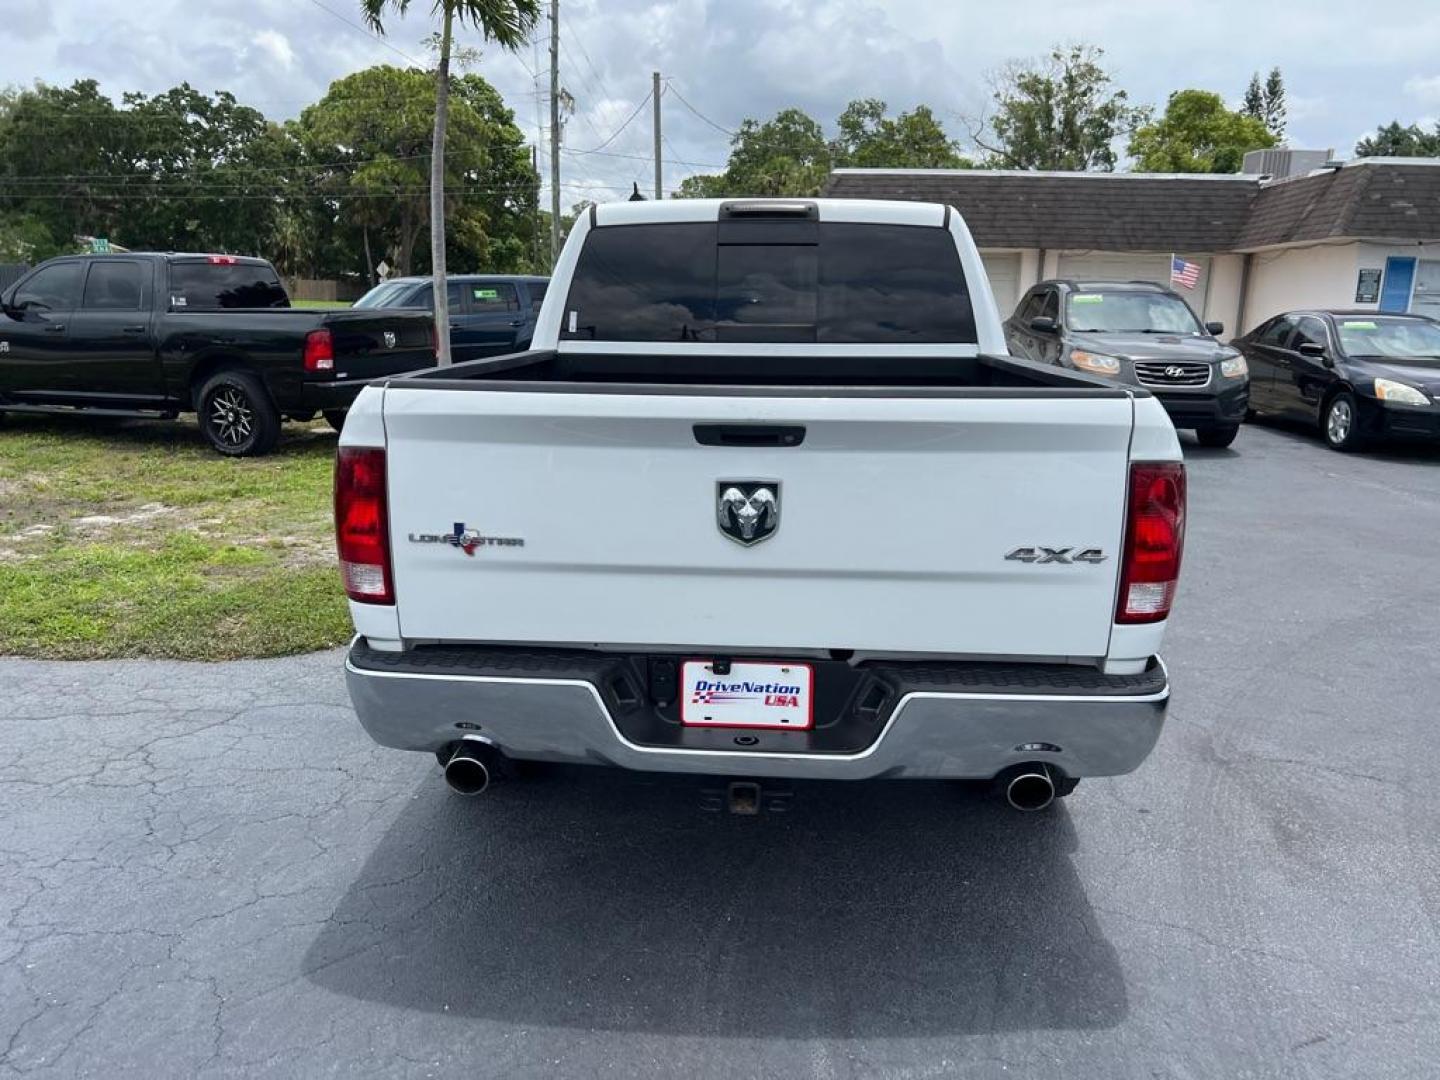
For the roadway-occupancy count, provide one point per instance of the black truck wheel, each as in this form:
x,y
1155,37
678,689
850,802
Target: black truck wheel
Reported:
x,y
236,414
1217,437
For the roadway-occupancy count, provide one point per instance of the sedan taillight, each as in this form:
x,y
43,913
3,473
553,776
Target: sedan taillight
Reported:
x,y
1154,542
362,525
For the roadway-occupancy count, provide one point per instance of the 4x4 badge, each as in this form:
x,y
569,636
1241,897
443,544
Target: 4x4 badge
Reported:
x,y
747,511
1056,555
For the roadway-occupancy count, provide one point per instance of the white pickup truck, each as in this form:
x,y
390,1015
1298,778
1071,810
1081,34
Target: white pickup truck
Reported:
x,y
766,498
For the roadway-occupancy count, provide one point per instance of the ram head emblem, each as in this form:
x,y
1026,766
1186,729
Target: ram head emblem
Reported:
x,y
747,511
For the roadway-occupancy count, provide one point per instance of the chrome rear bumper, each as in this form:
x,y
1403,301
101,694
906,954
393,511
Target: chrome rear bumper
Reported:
x,y
928,734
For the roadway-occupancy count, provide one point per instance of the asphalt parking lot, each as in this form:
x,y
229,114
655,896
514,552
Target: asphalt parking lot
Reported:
x,y
208,870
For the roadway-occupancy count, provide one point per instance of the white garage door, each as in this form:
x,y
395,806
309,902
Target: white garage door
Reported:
x,y
1003,270
1121,266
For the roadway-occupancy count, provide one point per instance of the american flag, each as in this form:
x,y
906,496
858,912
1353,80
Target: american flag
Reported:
x,y
1184,273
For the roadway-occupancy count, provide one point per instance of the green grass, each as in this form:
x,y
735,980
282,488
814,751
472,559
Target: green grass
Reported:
x,y
135,539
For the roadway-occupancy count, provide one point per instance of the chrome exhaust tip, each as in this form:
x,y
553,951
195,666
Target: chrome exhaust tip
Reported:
x,y
1030,788
471,767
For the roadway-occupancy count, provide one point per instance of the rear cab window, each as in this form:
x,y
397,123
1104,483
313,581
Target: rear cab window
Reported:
x,y
751,281
217,283
115,285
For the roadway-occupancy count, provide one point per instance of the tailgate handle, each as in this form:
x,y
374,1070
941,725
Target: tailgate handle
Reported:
x,y
749,434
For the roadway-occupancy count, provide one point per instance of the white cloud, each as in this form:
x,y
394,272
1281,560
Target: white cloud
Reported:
x,y
734,59
276,46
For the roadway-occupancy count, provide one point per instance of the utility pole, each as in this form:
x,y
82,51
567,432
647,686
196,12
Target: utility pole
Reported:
x,y
655,98
535,226
554,132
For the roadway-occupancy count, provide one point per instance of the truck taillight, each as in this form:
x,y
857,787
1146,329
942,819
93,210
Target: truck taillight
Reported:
x,y
319,351
221,260
1154,541
362,525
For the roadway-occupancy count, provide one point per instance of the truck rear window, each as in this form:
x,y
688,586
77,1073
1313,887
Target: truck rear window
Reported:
x,y
207,286
831,282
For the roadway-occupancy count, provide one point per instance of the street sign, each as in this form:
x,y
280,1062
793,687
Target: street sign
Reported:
x,y
383,269
99,245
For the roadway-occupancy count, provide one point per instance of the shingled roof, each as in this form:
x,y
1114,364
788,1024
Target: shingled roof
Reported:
x,y
1119,211
1162,212
1368,200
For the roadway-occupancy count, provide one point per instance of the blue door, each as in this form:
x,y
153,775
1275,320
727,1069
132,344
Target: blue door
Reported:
x,y
1399,282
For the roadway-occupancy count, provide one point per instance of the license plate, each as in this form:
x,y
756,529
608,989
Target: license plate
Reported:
x,y
749,695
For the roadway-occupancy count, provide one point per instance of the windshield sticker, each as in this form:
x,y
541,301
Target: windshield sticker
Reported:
x,y
1359,326
1087,298
485,294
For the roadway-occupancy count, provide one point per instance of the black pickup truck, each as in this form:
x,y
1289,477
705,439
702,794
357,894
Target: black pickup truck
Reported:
x,y
153,334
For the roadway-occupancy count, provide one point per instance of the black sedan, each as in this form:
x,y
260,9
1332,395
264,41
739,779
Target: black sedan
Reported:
x,y
1357,376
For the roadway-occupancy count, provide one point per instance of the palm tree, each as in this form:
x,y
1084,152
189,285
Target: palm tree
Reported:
x,y
508,24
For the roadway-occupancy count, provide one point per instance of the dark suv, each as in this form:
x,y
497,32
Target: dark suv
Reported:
x,y
490,314
1140,333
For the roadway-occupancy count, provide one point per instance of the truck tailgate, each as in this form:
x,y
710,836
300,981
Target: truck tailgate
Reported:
x,y
895,518
373,342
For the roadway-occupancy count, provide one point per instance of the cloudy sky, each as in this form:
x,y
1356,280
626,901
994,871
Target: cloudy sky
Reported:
x,y
1347,66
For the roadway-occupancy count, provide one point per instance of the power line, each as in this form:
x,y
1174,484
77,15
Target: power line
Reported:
x,y
192,195
137,175
580,44
723,130
584,116
673,159
367,32
616,133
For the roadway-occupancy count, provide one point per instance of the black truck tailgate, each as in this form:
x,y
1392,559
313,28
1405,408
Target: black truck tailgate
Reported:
x,y
372,343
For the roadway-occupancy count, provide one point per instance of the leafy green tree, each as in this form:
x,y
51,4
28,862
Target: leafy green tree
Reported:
x,y
1396,140
703,186
1198,134
369,137
789,155
25,239
786,155
508,24
57,152
1062,113
913,140
498,210
185,143
369,140
168,171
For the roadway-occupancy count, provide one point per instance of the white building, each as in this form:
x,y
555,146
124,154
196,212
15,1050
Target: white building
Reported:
x,y
1362,235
